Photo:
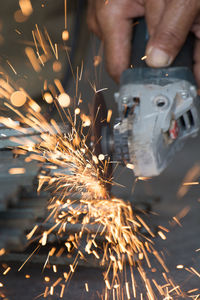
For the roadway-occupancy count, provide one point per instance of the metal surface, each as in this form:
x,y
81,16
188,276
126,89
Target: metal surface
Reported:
x,y
21,207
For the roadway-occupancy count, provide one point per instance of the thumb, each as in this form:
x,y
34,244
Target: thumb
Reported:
x,y
171,32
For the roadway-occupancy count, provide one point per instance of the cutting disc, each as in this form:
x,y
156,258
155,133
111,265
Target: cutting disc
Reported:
x,y
101,131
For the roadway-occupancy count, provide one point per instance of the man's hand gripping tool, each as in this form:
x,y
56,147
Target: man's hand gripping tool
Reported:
x,y
158,110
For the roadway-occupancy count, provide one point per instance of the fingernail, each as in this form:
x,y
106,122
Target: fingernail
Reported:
x,y
157,58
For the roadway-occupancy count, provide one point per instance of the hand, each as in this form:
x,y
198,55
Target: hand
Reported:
x,y
168,21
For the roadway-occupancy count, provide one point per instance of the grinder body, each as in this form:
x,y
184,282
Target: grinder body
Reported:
x,y
158,109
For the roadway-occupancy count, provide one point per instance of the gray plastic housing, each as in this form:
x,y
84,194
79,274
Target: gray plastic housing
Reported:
x,y
158,111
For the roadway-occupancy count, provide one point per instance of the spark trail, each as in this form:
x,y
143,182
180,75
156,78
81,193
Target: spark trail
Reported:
x,y
79,196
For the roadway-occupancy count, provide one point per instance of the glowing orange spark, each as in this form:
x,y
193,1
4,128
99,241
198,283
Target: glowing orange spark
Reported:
x,y
6,271
65,35
48,97
18,98
33,59
2,251
64,100
15,171
26,7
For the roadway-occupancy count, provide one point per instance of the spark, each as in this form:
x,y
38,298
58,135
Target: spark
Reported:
x,y
191,176
163,228
15,171
161,234
179,266
52,251
6,86
48,97
62,290
34,106
31,233
97,60
18,32
86,287
54,49
144,57
46,292
41,40
19,17
60,252
77,111
127,291
192,291
26,7
65,5
65,35
177,221
100,90
33,59
130,166
28,258
85,120
109,115
191,183
18,98
195,271
101,157
64,100
57,282
143,178
51,291
57,67
2,251
6,271
11,66
54,268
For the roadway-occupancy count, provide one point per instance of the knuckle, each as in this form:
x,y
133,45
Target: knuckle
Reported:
x,y
170,39
189,5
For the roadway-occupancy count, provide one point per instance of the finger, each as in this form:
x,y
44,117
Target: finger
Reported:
x,y
117,32
92,19
154,10
196,27
171,32
197,61
118,47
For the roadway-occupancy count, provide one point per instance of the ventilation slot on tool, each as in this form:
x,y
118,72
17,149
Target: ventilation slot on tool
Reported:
x,y
136,100
190,117
186,121
182,122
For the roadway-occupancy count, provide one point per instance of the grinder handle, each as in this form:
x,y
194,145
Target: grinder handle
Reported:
x,y
139,42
